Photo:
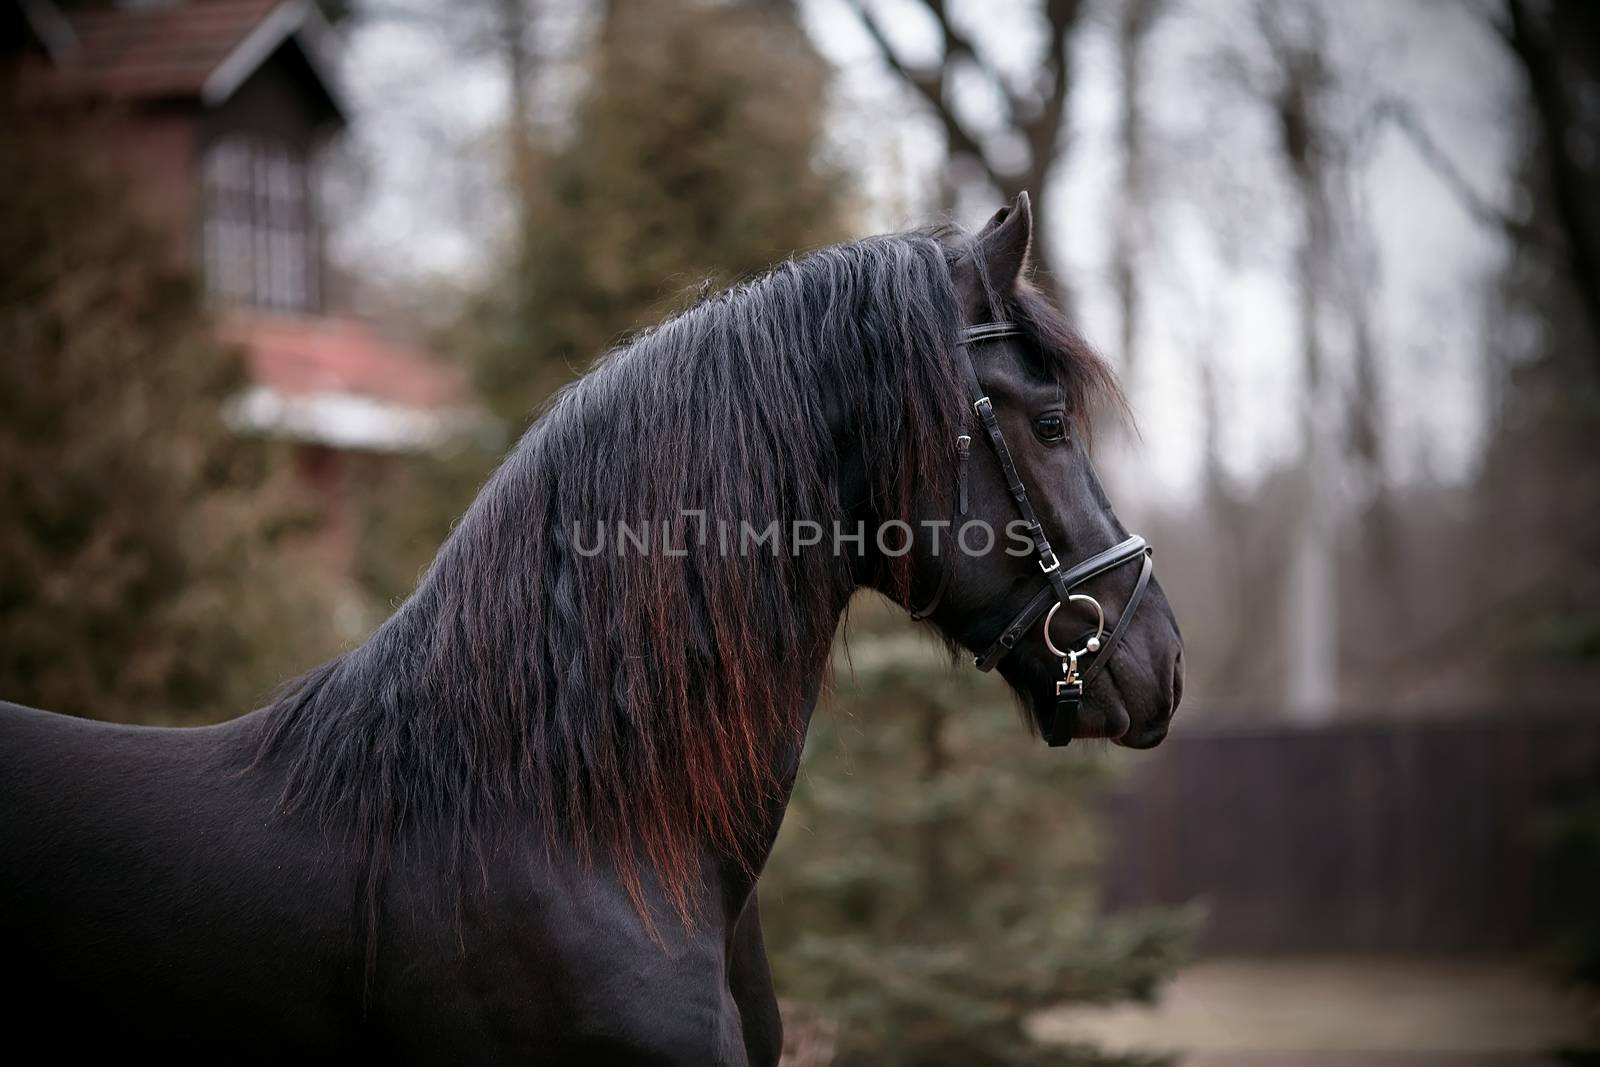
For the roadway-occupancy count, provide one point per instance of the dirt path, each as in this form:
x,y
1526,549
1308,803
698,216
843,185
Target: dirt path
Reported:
x,y
1341,1013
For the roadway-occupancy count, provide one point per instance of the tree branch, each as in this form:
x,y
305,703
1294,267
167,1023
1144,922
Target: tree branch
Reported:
x,y
958,45
930,85
1541,64
1404,117
1044,130
1038,122
1037,118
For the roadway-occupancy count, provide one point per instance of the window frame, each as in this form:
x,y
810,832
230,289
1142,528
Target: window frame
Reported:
x,y
258,227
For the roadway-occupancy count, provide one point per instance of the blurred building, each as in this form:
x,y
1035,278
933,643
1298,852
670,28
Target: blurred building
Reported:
x,y
217,111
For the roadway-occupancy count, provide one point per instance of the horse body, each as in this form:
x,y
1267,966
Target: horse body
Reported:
x,y
214,926
143,853
526,818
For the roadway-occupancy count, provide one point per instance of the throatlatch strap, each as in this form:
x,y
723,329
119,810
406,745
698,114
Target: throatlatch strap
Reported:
x,y
963,451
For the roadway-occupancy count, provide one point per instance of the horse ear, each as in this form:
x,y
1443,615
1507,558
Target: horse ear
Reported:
x,y
1004,243
1000,254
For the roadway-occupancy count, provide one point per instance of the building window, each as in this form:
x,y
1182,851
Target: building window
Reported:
x,y
259,241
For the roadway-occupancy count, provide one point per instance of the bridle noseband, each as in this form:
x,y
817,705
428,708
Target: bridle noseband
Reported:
x,y
1049,600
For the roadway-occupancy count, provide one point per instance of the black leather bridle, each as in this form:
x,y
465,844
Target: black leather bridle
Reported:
x,y
1062,582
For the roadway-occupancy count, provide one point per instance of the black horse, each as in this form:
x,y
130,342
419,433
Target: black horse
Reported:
x,y
525,820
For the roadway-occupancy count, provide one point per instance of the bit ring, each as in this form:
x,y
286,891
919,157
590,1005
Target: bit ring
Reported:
x,y
1093,644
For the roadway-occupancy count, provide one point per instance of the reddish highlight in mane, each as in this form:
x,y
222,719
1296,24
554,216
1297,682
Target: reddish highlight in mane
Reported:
x,y
644,709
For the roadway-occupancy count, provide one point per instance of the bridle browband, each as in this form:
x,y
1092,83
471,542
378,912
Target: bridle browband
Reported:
x,y
1049,600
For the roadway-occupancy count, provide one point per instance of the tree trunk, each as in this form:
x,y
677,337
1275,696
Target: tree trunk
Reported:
x,y
1541,63
1312,605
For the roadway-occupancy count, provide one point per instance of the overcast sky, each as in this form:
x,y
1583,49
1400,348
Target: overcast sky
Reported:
x,y
428,108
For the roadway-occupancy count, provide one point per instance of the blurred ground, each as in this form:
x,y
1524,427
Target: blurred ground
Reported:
x,y
1341,1012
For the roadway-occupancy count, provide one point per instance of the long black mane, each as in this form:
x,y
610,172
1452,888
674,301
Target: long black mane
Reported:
x,y
633,700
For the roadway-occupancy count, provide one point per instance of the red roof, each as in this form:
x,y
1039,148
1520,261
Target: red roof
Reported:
x,y
305,356
172,51
158,51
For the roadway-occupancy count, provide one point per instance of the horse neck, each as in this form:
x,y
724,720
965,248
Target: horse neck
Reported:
x,y
864,571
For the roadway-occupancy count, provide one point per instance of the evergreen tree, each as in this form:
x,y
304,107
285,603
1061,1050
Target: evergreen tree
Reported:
x,y
137,576
696,157
934,885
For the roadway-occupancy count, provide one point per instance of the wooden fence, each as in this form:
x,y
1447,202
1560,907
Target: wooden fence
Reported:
x,y
1387,836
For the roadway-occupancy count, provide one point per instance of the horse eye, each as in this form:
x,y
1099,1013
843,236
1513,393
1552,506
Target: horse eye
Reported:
x,y
1050,427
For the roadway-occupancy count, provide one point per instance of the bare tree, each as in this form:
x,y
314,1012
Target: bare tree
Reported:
x,y
1136,19
1529,36
1301,79
1035,113
1533,37
513,24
